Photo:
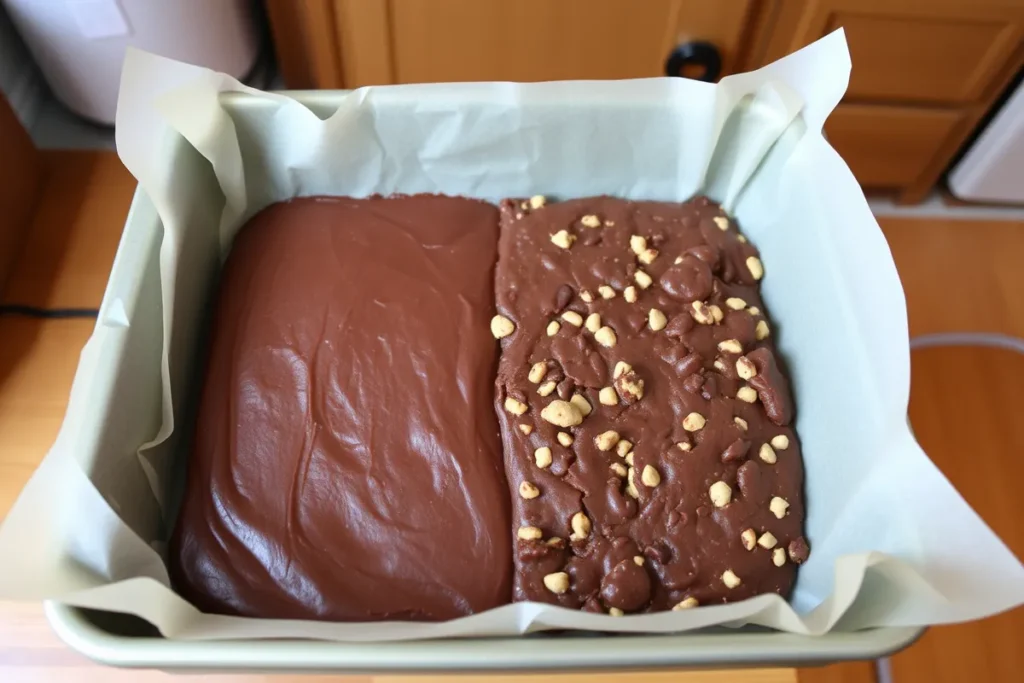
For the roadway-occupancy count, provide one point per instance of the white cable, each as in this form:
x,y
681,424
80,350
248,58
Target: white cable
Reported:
x,y
992,340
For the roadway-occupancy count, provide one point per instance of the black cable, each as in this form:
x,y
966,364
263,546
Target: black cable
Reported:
x,y
47,313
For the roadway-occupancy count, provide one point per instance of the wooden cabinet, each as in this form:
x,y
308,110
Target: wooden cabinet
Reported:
x,y
21,171
925,72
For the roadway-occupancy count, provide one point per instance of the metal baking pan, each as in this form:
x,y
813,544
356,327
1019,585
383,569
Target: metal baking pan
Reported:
x,y
133,292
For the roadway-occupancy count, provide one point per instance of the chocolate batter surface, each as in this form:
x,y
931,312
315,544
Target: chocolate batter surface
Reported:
x,y
646,423
347,461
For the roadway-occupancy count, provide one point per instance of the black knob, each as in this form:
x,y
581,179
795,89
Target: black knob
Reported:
x,y
698,53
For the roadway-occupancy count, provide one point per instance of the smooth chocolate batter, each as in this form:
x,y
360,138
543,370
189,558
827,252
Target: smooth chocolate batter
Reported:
x,y
346,462
682,486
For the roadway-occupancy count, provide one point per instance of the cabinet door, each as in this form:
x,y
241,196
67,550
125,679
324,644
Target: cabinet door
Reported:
x,y
414,41
21,170
938,52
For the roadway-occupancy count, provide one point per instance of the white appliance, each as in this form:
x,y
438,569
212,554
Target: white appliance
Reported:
x,y
79,45
992,170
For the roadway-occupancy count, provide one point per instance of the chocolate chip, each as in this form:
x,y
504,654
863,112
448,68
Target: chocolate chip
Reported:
x,y
736,451
565,389
534,551
691,363
563,295
592,604
680,325
703,511
754,485
708,254
591,238
709,389
771,387
636,321
658,552
627,586
688,280
516,393
799,551
694,383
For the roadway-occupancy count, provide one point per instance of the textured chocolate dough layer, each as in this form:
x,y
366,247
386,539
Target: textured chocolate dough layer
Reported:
x,y
347,461
646,423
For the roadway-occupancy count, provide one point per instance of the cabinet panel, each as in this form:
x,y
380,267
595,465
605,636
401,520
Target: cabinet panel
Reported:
x,y
944,51
21,171
890,146
532,40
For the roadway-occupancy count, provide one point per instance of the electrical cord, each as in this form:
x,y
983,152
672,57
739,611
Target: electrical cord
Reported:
x,y
47,313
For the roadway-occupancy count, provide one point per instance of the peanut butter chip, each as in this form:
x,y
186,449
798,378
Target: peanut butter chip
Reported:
x,y
606,441
623,448
650,476
730,346
529,533
593,323
735,303
580,527
542,456
721,494
582,404
573,318
642,279
557,583
638,560
778,557
586,296
608,397
619,469
537,201
780,442
722,222
606,337
629,459
701,313
547,388
647,256
555,542
501,327
748,538
514,406
630,486
683,446
553,328
657,320
591,221
563,239
730,579
746,394
621,368
761,330
741,238
755,267
528,491
779,507
686,603
606,292
740,422
537,372
630,294
526,429
754,310
562,414
745,368
767,540
694,422
637,244
564,438
615,612
716,313
767,453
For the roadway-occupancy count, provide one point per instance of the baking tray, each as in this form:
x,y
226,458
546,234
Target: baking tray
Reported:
x,y
126,393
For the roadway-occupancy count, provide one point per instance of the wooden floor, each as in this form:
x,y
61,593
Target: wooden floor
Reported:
x,y
959,276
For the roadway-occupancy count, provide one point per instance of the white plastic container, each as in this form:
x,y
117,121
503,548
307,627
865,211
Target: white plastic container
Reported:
x,y
80,44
